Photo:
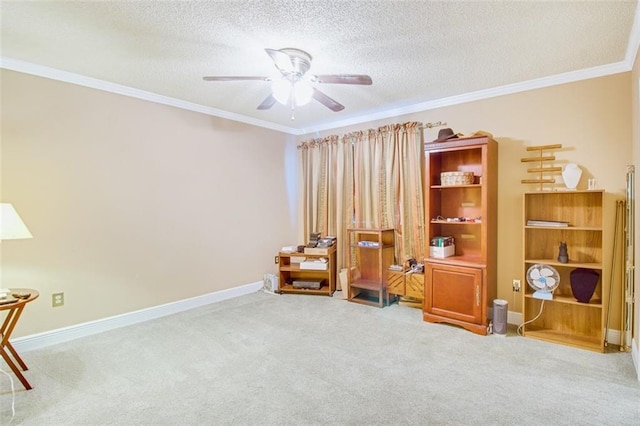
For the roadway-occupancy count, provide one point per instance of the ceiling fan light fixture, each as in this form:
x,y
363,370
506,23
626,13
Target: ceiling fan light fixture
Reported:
x,y
281,90
303,92
292,87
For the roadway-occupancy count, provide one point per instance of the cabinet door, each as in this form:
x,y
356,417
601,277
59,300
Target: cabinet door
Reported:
x,y
395,282
414,284
454,292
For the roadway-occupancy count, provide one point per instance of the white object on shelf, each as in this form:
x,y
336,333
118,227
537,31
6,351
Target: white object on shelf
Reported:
x,y
442,252
571,175
315,265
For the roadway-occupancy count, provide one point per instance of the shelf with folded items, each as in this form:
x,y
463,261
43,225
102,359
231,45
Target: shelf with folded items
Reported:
x,y
304,273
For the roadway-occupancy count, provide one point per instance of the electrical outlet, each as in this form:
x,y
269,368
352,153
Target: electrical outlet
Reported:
x,y
57,300
516,285
276,260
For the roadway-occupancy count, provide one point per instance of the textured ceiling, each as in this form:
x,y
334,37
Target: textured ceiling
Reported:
x,y
418,53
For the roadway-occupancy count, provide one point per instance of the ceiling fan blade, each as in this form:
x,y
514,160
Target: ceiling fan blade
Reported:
x,y
282,60
235,78
343,79
327,101
268,102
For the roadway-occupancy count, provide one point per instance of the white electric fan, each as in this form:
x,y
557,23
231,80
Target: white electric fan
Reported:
x,y
543,279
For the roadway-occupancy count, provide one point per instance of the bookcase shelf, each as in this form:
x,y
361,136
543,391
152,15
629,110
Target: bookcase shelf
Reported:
x,y
290,271
563,319
459,289
371,251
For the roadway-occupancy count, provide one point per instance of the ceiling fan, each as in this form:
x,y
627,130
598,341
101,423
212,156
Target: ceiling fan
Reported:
x,y
294,86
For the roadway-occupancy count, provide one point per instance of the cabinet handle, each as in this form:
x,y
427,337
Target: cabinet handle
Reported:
x,y
477,295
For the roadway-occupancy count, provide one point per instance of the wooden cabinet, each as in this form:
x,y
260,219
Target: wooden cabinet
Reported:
x,y
401,283
371,251
454,293
414,286
460,289
395,282
294,278
563,319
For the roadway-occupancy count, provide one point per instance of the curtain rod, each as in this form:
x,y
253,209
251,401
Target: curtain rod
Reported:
x,y
431,125
421,127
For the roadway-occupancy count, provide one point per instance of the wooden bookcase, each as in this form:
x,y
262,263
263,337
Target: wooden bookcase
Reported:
x,y
371,252
564,319
290,271
460,289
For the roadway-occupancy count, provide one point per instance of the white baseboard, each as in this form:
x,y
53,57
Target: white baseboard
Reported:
x,y
65,334
514,318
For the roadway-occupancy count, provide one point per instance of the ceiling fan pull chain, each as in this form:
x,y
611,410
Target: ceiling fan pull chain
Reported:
x,y
292,99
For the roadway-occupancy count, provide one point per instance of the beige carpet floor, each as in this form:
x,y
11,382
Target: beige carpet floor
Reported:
x,y
263,359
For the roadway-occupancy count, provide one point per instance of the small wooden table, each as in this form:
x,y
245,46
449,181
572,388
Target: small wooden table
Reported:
x,y
14,310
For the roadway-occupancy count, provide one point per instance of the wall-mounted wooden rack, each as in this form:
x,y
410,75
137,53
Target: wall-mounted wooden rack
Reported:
x,y
542,171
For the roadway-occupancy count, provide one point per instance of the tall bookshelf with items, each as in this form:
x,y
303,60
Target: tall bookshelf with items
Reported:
x,y
461,182
371,252
574,313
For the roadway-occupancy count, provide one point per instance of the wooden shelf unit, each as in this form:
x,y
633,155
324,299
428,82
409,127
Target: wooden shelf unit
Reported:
x,y
461,288
290,271
565,320
371,251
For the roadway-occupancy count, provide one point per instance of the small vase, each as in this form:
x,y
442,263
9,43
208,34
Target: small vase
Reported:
x,y
563,254
583,283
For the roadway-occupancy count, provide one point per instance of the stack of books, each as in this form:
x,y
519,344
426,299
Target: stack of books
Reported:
x,y
547,223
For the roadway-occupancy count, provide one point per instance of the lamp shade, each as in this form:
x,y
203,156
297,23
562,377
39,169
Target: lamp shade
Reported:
x,y
11,226
303,93
281,90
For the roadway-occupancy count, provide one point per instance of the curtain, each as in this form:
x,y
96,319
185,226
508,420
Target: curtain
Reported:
x,y
366,179
389,194
327,192
409,206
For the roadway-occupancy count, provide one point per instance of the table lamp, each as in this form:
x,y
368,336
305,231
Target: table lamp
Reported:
x,y
11,226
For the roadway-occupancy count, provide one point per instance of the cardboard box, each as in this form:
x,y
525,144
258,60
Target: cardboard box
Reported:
x,y
442,252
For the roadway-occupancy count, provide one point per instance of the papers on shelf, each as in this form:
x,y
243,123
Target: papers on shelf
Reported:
x,y
374,244
317,264
547,223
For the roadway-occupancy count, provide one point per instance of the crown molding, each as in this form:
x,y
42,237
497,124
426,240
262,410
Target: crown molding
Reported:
x,y
634,40
94,83
509,89
569,77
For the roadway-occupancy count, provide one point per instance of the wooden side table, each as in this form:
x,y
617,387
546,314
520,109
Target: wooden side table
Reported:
x,y
14,310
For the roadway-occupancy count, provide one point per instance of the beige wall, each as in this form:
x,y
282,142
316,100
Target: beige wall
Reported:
x,y
590,118
133,204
